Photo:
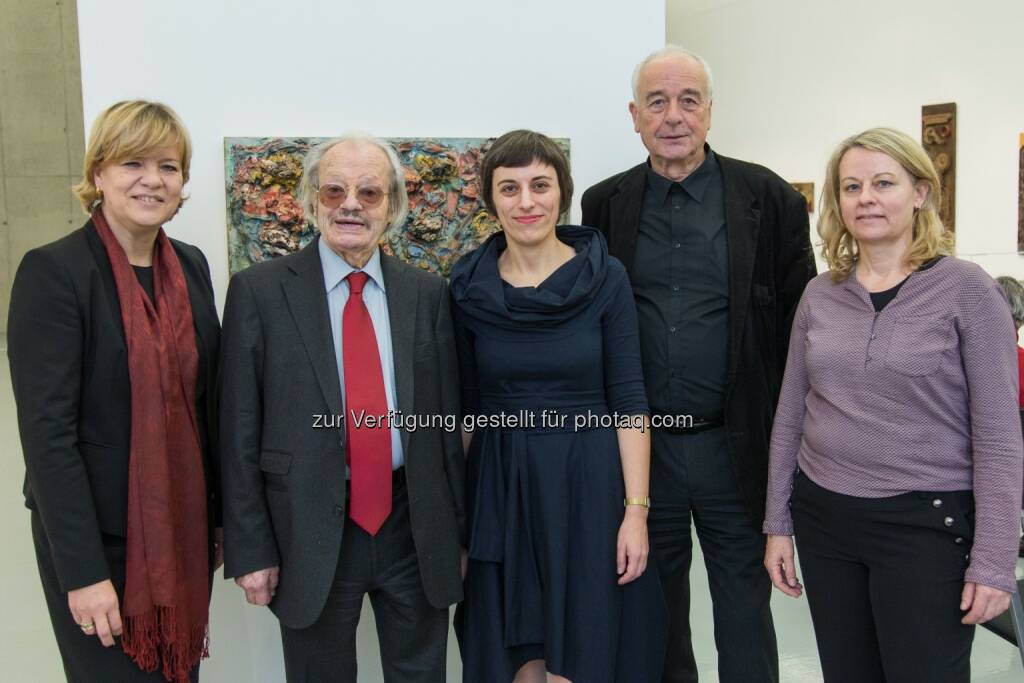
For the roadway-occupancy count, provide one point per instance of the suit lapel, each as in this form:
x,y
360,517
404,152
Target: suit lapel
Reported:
x,y
307,303
742,222
402,296
624,216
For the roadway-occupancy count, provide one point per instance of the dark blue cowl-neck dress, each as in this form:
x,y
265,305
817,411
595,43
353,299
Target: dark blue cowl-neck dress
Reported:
x,y
546,494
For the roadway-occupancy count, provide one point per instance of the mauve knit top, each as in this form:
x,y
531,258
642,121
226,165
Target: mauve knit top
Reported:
x,y
921,396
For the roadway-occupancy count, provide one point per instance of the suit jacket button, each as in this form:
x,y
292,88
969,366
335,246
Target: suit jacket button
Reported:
x,y
339,510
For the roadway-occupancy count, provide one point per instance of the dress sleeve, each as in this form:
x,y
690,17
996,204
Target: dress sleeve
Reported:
x,y
620,336
990,367
787,432
45,345
465,347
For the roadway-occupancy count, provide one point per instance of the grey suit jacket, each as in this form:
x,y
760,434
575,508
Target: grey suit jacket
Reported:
x,y
283,479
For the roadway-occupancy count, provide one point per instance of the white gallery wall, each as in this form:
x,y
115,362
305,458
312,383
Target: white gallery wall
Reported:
x,y
449,68
795,77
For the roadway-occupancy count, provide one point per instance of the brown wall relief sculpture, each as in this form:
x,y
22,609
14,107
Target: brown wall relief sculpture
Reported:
x,y
938,135
1020,196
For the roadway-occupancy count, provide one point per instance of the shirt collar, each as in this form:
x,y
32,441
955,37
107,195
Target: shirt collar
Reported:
x,y
336,269
695,184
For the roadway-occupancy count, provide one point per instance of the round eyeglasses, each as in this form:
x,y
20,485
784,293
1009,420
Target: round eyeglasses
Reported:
x,y
333,196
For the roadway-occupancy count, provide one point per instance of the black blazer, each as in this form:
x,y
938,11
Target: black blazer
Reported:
x,y
770,262
69,369
283,478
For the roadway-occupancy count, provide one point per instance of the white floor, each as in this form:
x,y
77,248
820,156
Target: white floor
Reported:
x,y
245,641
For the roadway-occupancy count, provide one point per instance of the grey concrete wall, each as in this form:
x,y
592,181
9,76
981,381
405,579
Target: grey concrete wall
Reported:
x,y
42,134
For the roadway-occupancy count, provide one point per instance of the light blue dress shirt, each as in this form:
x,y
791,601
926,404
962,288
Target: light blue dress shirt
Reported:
x,y
335,271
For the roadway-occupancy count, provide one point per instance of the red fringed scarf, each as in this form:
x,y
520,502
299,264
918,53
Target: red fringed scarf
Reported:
x,y
165,612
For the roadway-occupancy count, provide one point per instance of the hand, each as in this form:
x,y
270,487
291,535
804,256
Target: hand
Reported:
x,y
632,549
463,562
778,560
218,548
260,586
96,606
984,603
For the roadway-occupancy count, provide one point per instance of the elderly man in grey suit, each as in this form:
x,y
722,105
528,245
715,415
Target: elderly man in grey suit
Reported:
x,y
326,353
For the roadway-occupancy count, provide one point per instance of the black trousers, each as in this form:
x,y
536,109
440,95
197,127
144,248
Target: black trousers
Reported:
x,y
413,635
84,657
884,578
692,477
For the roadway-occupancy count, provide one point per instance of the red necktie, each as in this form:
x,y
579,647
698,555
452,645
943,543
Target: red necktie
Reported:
x,y
369,445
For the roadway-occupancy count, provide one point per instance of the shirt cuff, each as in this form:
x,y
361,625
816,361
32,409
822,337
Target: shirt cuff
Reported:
x,y
1007,583
778,527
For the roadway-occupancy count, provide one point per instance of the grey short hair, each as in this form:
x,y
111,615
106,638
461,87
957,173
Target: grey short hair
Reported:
x,y
673,51
398,199
1015,295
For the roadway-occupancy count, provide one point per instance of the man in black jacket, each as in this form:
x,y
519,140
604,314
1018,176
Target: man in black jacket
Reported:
x,y
322,504
718,252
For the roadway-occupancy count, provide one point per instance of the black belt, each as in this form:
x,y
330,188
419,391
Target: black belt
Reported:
x,y
693,426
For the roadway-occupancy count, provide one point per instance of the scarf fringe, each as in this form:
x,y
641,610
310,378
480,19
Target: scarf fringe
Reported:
x,y
154,638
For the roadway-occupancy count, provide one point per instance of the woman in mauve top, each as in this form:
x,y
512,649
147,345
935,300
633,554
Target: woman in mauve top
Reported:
x,y
896,450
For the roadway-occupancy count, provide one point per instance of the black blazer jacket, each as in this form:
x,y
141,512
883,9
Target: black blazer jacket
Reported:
x,y
283,477
69,369
770,262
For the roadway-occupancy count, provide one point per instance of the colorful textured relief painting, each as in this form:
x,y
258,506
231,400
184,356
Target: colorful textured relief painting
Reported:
x,y
446,218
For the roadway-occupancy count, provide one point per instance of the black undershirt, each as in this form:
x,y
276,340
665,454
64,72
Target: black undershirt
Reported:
x,y
881,299
144,274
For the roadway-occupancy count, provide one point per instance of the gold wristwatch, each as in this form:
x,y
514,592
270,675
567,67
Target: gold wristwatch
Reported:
x,y
642,501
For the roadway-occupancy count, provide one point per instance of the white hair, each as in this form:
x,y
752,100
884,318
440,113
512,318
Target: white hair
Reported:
x,y
673,51
309,185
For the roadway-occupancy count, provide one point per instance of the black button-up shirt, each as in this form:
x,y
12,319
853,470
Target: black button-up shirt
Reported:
x,y
681,284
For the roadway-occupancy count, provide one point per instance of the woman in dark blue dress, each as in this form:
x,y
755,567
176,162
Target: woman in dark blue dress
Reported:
x,y
556,587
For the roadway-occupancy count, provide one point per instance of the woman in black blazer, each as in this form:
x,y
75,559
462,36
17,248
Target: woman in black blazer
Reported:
x,y
112,340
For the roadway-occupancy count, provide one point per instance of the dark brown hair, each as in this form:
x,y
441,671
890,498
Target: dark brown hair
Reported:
x,y
519,148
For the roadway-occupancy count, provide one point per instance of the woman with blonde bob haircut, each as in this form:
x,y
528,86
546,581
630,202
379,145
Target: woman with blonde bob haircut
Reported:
x,y
113,339
896,451
128,129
